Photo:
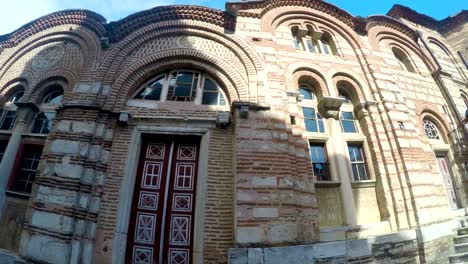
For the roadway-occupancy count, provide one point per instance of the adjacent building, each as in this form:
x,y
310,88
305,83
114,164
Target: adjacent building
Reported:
x,y
284,131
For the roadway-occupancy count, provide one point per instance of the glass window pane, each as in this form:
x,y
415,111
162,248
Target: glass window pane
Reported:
x,y
8,120
27,172
209,85
352,151
185,77
311,125
311,45
222,101
210,98
306,92
362,172
355,172
152,91
348,126
320,124
347,115
309,112
182,90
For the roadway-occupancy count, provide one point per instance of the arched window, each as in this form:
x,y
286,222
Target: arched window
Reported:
x,y
43,121
297,38
403,60
8,114
182,85
431,130
306,92
347,119
312,41
328,45
55,97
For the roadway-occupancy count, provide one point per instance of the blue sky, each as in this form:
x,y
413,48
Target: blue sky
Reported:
x,y
11,18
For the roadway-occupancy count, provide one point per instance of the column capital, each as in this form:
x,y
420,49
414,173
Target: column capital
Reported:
x,y
26,111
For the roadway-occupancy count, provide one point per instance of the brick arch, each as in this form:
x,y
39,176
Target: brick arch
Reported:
x,y
275,17
449,54
5,90
129,80
87,42
253,63
379,34
43,87
425,110
352,87
310,77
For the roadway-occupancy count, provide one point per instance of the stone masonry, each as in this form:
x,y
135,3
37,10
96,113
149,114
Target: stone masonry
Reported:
x,y
341,140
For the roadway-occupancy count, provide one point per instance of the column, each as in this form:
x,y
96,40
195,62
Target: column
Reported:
x,y
338,154
24,117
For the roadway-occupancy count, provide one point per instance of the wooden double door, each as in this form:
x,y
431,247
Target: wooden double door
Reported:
x,y
162,215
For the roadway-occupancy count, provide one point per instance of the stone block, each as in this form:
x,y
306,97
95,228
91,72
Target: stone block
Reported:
x,y
255,256
330,249
53,222
65,146
290,255
359,248
93,87
238,256
45,249
282,233
83,127
250,235
56,196
264,181
265,212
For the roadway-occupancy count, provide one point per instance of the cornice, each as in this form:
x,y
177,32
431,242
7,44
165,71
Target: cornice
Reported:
x,y
389,22
266,5
119,29
83,18
442,26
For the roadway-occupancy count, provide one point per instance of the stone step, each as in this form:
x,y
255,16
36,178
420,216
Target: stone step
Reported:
x,y
461,248
460,257
463,231
460,239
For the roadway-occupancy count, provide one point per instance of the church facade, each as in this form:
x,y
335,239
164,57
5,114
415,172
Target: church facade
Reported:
x,y
282,131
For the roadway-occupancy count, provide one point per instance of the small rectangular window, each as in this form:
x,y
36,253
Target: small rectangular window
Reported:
x,y
348,124
358,163
313,121
318,156
26,168
7,120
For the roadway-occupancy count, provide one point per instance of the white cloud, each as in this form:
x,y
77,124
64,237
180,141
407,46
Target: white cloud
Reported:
x,y
19,12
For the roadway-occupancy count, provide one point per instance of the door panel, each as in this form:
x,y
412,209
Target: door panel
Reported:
x,y
161,223
447,177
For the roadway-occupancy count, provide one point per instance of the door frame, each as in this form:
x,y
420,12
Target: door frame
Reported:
x,y
127,187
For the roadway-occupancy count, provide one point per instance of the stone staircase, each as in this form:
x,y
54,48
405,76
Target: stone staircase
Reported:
x,y
461,243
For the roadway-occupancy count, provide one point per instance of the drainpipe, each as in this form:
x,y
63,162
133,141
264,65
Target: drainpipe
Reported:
x,y
440,82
